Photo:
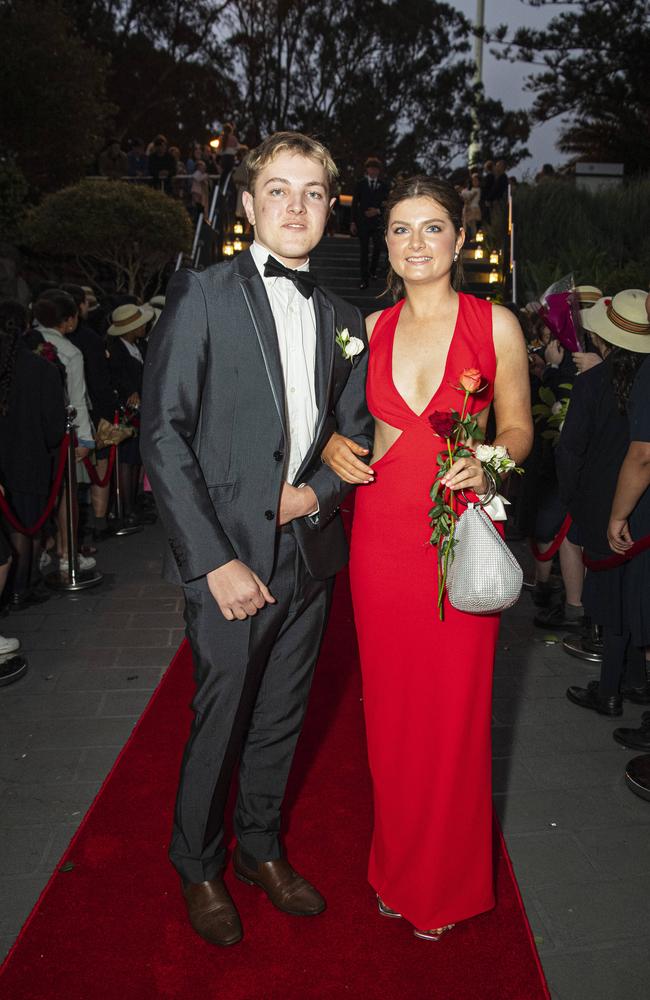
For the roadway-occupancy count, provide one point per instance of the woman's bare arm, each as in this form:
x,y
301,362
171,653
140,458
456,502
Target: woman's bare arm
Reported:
x,y
512,386
511,404
340,453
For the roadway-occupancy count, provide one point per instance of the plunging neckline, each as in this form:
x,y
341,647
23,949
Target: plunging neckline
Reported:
x,y
446,365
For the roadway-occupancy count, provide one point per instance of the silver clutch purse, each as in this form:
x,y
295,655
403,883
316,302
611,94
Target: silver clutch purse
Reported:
x,y
484,577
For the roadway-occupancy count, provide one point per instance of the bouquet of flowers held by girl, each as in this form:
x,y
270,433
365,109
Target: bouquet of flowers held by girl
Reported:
x,y
463,437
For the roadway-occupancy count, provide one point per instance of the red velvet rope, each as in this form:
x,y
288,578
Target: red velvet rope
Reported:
x,y
555,544
611,562
58,479
595,565
92,471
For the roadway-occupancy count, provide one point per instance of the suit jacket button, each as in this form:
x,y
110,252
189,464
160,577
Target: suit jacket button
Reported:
x,y
269,515
278,455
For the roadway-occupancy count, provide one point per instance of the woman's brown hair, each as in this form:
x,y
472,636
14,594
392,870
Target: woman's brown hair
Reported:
x,y
444,194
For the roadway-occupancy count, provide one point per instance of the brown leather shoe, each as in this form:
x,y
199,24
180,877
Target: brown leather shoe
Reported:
x,y
287,890
212,912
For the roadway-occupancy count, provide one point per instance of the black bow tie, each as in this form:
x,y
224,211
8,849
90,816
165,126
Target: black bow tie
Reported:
x,y
303,280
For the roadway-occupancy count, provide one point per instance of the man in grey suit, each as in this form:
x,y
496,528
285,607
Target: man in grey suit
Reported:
x,y
250,369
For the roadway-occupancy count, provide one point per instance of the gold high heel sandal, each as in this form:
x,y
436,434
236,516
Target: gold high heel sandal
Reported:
x,y
386,910
432,935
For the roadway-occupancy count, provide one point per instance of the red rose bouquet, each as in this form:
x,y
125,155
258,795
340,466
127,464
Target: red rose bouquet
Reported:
x,y
457,429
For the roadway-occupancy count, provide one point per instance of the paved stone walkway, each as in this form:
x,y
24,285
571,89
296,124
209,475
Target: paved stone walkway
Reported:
x,y
578,839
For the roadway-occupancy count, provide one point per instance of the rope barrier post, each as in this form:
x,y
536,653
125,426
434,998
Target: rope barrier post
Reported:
x,y
73,578
587,647
121,529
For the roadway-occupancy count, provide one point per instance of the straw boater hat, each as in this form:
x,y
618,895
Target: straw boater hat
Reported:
x,y
587,295
621,320
129,317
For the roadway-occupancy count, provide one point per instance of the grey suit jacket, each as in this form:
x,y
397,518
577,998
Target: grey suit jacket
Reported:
x,y
213,424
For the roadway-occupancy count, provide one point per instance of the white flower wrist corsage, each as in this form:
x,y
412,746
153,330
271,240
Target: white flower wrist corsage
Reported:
x,y
496,464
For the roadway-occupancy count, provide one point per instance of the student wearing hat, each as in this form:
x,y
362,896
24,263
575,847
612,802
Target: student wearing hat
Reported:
x,y
586,295
157,303
630,522
605,414
368,201
125,362
102,400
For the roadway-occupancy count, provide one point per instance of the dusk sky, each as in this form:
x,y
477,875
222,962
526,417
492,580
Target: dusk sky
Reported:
x,y
504,80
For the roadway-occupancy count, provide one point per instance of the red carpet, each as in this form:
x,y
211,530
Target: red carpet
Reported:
x,y
113,927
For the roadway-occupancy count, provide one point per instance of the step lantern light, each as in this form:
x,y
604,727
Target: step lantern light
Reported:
x,y
494,257
495,277
238,246
478,253
238,229
228,250
480,236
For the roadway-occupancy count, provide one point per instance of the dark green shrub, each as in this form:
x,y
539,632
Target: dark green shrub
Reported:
x,y
602,237
130,229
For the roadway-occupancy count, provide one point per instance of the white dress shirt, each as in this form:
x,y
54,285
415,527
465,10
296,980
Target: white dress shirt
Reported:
x,y
133,350
295,322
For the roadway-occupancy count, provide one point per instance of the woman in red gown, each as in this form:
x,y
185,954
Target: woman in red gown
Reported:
x,y
427,683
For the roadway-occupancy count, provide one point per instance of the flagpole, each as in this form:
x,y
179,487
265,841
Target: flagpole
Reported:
x,y
474,150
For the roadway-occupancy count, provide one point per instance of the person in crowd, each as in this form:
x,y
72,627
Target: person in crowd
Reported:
x,y
137,160
257,547
157,303
54,318
547,509
586,296
194,155
589,455
13,666
487,183
629,523
96,315
471,195
546,174
125,361
101,396
499,190
228,146
200,191
162,165
239,179
368,202
113,161
32,425
179,183
431,855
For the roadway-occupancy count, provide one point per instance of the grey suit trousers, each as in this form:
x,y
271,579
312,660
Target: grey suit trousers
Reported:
x,y
252,685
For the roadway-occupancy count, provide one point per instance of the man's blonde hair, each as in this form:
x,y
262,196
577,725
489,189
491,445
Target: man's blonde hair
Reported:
x,y
289,142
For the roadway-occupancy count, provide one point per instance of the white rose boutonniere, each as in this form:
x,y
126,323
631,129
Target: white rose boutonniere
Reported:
x,y
350,346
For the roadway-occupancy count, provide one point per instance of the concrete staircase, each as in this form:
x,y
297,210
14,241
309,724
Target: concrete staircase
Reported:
x,y
335,262
478,271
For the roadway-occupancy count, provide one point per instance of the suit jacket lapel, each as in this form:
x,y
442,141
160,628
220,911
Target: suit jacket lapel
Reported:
x,y
325,336
261,315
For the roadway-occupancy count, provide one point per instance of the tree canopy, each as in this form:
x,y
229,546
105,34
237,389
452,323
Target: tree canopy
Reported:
x,y
594,71
167,63
367,76
54,108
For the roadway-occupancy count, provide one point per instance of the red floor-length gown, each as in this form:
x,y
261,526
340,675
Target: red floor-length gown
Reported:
x,y
427,683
